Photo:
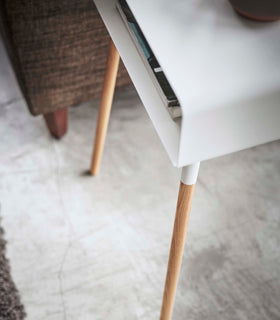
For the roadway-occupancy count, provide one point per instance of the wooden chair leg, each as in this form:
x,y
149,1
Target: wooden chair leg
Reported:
x,y
177,247
105,106
57,122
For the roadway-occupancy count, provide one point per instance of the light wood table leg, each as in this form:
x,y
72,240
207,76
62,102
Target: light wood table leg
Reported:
x,y
105,107
178,240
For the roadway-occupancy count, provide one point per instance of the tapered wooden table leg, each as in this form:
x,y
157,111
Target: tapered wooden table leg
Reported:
x,y
177,247
105,106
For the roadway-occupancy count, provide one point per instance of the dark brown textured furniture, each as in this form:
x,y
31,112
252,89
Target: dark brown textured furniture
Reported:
x,y
259,10
59,51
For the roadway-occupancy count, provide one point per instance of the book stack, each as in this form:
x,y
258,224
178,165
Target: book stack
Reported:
x,y
166,92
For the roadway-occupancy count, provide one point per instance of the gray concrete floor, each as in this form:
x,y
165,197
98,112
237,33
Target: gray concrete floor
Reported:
x,y
97,248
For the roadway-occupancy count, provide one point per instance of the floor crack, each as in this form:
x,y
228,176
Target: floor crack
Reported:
x,y
61,291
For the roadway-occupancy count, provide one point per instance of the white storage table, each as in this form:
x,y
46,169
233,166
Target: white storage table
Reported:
x,y
225,71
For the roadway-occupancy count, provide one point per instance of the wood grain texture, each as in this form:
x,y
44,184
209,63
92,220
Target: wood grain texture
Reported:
x,y
105,107
177,248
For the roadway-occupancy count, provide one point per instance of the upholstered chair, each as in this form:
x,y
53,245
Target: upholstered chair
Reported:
x,y
58,50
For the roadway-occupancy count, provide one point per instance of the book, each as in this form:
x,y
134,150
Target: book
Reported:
x,y
159,79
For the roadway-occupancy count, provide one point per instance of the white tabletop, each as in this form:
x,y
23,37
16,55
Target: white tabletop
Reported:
x,y
211,56
224,69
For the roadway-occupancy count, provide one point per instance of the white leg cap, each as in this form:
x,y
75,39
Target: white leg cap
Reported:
x,y
190,173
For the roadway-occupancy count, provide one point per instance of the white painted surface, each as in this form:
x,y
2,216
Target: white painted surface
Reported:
x,y
167,129
223,68
190,174
211,56
211,134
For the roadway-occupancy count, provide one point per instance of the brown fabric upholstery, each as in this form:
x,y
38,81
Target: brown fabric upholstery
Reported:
x,y
61,48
